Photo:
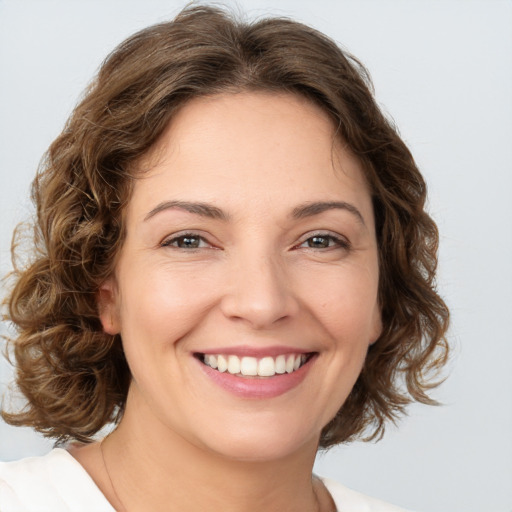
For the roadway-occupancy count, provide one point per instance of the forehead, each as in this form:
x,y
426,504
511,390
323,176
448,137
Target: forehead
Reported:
x,y
249,147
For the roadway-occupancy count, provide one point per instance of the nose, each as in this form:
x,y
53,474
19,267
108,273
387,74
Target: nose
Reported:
x,y
259,293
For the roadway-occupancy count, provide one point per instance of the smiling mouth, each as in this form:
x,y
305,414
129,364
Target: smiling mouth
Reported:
x,y
255,367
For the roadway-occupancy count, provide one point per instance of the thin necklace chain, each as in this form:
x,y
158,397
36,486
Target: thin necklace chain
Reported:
x,y
123,509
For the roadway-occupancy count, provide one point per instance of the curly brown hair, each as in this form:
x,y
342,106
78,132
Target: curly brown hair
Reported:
x,y
74,376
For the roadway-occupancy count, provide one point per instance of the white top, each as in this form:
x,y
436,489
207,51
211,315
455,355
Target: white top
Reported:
x,y
57,482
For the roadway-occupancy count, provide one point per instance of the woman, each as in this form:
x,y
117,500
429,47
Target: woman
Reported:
x,y
234,266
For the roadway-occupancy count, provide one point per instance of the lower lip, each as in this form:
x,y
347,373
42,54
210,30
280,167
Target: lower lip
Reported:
x,y
258,388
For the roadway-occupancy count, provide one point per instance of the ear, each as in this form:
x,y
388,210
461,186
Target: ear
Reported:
x,y
108,307
376,324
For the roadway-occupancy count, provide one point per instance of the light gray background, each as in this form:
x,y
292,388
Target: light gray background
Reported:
x,y
443,70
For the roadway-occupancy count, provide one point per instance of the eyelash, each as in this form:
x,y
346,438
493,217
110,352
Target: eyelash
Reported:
x,y
174,240
338,242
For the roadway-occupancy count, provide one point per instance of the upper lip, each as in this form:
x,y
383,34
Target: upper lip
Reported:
x,y
254,351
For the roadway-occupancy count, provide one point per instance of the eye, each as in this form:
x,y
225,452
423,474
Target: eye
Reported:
x,y
325,241
186,241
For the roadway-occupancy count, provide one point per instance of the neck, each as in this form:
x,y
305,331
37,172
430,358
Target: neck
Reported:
x,y
153,472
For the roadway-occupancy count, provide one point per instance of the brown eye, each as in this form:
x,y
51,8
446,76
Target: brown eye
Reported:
x,y
321,241
188,241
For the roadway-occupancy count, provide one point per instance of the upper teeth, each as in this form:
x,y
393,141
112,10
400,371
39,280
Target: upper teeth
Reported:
x,y
251,366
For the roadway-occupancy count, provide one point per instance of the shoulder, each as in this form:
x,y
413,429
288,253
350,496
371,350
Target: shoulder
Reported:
x,y
347,499
55,482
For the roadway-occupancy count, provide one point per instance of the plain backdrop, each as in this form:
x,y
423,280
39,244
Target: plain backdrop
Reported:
x,y
443,71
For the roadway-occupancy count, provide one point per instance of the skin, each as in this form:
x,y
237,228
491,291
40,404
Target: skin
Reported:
x,y
259,278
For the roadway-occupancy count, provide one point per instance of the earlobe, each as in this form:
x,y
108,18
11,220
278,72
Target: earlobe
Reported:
x,y
377,326
107,308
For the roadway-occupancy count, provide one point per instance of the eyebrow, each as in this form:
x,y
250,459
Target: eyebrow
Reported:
x,y
300,212
311,209
202,209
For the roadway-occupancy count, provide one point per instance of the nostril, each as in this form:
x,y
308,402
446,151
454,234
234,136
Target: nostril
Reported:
x,y
258,309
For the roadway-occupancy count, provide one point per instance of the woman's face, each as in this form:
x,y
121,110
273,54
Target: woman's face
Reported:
x,y
250,247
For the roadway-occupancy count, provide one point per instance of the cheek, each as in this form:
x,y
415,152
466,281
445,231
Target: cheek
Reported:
x,y
345,303
159,308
